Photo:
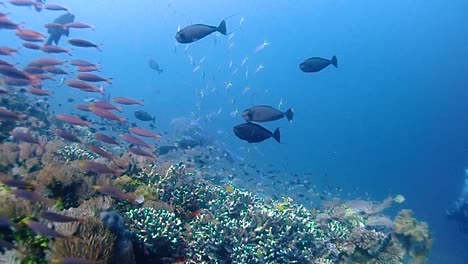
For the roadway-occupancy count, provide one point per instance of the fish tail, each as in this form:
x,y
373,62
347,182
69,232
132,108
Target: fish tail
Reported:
x,y
289,114
222,28
276,135
334,61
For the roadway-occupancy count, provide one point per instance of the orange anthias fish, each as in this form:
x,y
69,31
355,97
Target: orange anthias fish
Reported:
x,y
144,133
126,101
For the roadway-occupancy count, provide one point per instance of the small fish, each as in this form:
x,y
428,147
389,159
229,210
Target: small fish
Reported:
x,y
89,77
17,183
106,114
126,101
70,260
24,136
67,135
59,218
134,140
6,222
399,198
82,63
55,49
101,152
316,64
7,115
259,68
114,193
106,139
6,245
264,113
43,230
196,32
155,66
261,46
83,43
144,133
97,168
30,196
79,25
73,120
254,133
163,150
140,152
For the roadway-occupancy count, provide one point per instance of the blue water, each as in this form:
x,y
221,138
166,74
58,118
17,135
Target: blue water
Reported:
x,y
390,120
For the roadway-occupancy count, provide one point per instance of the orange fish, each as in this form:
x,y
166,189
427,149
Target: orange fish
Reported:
x,y
126,101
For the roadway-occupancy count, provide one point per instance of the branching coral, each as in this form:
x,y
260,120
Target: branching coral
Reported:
x,y
414,235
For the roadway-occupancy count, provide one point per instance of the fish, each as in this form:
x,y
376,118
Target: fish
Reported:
x,y
67,135
43,230
79,25
101,152
82,63
106,139
84,86
30,196
105,105
144,133
30,45
140,152
163,150
55,7
196,32
316,64
6,245
126,101
43,62
56,33
70,260
105,114
114,193
7,115
55,49
254,133
59,218
83,43
24,136
144,116
5,221
264,113
134,140
155,66
89,77
97,168
17,183
55,70
73,120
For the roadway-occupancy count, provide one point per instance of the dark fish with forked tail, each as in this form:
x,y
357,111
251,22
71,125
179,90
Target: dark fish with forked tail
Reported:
x,y
254,133
264,113
196,32
43,230
316,64
56,33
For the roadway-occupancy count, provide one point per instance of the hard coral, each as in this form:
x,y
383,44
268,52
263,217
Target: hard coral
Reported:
x,y
8,155
95,242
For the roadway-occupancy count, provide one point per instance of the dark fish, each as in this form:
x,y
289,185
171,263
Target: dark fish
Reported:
x,y
316,64
43,230
254,133
196,32
59,218
30,196
264,113
83,43
187,143
70,100
155,66
163,150
144,116
56,33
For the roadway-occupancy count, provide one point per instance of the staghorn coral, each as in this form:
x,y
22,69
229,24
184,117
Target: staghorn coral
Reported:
x,y
93,242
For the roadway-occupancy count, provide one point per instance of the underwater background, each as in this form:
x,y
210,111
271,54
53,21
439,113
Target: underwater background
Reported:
x,y
391,119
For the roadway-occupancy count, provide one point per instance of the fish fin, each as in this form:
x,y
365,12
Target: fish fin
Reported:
x,y
222,28
334,62
154,119
289,114
276,135
67,32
